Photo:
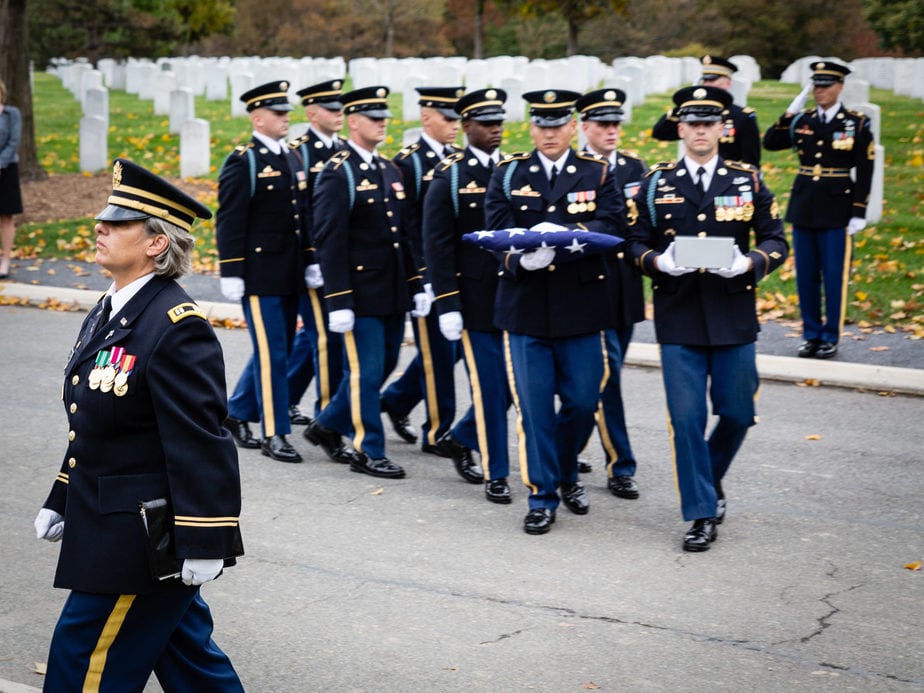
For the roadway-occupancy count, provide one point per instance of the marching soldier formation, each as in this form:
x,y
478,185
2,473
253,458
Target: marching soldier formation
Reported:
x,y
325,228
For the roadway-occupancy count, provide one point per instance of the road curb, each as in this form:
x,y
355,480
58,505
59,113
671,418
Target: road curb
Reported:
x,y
907,381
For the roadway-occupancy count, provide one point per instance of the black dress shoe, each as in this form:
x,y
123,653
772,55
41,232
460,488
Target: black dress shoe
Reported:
x,y
538,521
462,458
401,425
623,487
297,417
278,448
700,535
437,450
382,467
575,498
808,348
720,507
825,350
331,442
240,431
584,467
497,491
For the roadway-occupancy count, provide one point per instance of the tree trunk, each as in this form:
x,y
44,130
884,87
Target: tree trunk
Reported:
x,y
14,70
390,11
573,30
478,49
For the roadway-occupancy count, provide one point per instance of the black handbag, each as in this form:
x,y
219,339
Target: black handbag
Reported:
x,y
157,520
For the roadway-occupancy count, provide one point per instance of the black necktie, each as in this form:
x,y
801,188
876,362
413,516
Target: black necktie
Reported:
x,y
700,183
448,150
103,315
823,118
553,177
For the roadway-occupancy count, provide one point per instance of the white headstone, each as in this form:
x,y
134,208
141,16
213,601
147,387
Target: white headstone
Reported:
x,y
216,82
747,67
117,79
536,76
195,148
515,106
877,189
147,80
917,80
106,66
182,108
856,91
904,76
691,70
739,90
165,84
240,82
96,103
89,79
94,151
476,75
365,72
409,98
874,113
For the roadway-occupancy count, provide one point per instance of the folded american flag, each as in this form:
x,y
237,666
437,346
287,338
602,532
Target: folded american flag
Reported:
x,y
569,244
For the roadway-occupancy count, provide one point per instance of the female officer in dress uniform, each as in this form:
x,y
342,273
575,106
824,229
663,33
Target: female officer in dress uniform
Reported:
x,y
145,394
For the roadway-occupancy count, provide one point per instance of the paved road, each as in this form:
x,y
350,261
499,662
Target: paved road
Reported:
x,y
353,584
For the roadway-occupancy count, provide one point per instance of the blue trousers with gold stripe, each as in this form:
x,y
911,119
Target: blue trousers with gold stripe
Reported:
x,y
316,353
822,267
700,463
611,415
548,440
111,642
484,425
429,376
262,392
370,351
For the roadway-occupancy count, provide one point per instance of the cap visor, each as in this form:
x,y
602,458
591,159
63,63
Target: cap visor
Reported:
x,y
490,117
116,213
331,105
549,121
697,118
448,113
376,113
282,107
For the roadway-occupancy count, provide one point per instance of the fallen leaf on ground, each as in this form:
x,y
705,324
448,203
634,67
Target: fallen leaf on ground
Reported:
x,y
40,668
813,436
379,491
916,565
880,348
590,686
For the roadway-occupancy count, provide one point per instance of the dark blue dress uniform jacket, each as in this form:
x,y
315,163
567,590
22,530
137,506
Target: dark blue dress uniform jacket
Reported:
x,y
464,276
703,309
629,298
416,163
823,195
561,300
312,154
259,228
358,230
740,139
162,439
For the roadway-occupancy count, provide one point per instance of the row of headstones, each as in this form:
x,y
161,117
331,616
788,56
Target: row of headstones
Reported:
x,y
175,97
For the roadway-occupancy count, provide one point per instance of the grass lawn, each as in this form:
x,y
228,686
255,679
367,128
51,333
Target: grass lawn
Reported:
x,y
887,281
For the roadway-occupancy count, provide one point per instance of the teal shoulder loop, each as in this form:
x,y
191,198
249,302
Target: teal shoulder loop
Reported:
x,y
252,164
508,175
454,188
652,189
351,184
306,156
418,175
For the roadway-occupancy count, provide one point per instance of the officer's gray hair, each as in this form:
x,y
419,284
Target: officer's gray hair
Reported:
x,y
176,260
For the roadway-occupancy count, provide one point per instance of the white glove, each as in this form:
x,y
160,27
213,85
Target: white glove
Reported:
x,y
232,288
537,259
429,289
49,525
421,305
341,320
740,264
313,277
451,325
855,224
199,570
666,264
798,103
